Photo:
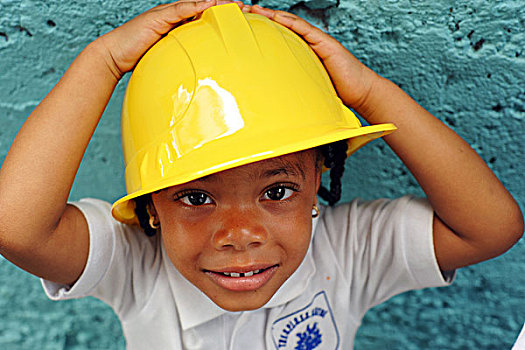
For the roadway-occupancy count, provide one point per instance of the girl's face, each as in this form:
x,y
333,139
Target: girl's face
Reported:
x,y
239,234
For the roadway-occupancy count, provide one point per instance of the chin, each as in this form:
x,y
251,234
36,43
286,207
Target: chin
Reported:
x,y
242,302
240,307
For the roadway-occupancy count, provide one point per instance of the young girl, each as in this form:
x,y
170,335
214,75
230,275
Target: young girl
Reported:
x,y
223,166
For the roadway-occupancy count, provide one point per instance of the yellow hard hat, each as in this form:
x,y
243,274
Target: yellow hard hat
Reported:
x,y
227,89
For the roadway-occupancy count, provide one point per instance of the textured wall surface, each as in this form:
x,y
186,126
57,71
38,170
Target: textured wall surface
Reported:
x,y
462,60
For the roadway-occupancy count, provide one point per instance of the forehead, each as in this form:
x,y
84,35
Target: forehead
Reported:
x,y
294,164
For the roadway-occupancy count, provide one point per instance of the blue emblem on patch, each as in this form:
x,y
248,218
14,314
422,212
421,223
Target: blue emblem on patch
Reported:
x,y
309,339
312,327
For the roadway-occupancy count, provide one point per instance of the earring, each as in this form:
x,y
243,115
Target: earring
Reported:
x,y
315,211
152,223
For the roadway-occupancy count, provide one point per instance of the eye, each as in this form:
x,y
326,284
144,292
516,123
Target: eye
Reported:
x,y
193,198
279,193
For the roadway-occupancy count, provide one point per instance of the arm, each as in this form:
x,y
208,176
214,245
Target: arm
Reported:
x,y
476,218
39,232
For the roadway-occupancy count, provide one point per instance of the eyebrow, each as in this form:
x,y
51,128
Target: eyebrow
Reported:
x,y
283,167
288,170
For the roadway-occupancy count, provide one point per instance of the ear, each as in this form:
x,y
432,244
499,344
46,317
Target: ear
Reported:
x,y
151,206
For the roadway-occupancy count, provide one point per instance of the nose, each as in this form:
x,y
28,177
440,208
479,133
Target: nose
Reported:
x,y
240,232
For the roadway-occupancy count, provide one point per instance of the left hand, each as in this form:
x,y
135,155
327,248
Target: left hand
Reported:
x,y
352,79
476,217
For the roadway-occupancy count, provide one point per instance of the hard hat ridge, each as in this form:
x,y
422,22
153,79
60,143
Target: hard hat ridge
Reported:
x,y
234,30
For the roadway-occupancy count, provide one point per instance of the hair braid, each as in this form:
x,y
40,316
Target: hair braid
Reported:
x,y
141,210
334,158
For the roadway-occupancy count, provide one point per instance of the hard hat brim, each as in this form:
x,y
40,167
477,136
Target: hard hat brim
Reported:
x,y
123,209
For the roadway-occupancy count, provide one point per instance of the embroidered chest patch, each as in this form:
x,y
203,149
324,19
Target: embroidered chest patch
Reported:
x,y
312,327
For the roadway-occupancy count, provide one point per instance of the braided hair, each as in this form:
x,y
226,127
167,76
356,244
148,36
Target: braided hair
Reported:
x,y
333,156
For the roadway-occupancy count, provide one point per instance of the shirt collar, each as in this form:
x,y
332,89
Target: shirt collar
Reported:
x,y
195,308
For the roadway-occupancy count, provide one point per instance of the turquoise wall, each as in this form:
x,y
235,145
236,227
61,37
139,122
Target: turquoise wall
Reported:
x,y
462,60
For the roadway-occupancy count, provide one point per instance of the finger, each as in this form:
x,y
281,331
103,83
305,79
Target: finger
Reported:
x,y
222,2
310,33
246,8
163,18
181,10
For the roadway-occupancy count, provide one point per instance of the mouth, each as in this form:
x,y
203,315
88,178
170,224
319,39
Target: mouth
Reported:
x,y
242,279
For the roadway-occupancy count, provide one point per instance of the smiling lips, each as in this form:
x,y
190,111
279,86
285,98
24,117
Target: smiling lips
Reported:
x,y
242,281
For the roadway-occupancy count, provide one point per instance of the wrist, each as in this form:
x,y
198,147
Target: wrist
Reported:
x,y
99,52
379,99
358,85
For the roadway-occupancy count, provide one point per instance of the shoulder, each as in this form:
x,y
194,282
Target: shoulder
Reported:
x,y
376,212
98,216
361,225
113,243
123,264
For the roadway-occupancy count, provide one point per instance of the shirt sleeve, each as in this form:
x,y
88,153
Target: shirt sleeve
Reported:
x,y
385,247
122,264
520,342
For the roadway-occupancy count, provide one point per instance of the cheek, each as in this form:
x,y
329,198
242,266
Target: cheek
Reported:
x,y
184,243
294,234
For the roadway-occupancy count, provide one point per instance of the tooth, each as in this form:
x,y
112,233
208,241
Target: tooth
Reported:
x,y
256,271
226,273
235,274
248,274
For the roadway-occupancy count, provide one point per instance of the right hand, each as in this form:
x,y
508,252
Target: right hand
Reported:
x,y
124,46
44,235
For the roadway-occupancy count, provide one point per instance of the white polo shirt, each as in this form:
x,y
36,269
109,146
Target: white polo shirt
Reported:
x,y
520,342
361,254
